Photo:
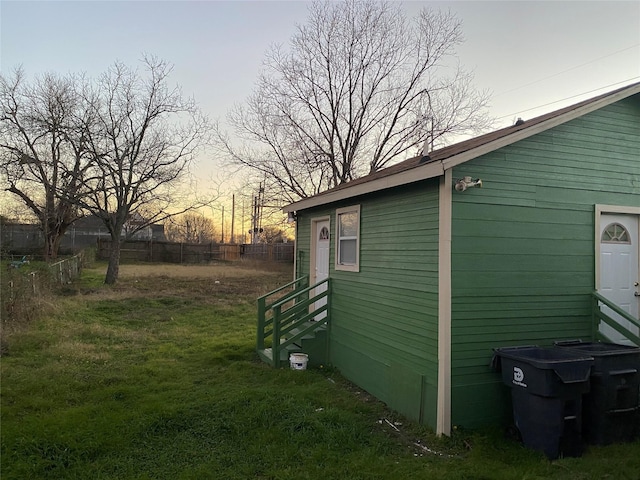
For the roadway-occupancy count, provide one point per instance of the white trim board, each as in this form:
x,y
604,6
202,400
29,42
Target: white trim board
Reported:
x,y
443,413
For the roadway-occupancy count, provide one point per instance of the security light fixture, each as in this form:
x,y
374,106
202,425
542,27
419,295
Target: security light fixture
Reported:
x,y
467,182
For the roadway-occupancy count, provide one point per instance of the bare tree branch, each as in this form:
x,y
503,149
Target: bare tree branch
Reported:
x,y
43,155
190,228
143,140
359,87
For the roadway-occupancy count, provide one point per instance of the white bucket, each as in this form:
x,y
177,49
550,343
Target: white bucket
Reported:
x,y
298,361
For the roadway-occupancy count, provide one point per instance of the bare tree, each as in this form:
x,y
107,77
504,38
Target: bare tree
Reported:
x,y
43,156
143,140
190,228
276,234
358,87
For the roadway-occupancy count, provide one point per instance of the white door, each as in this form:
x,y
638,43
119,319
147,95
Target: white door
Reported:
x,y
321,259
620,269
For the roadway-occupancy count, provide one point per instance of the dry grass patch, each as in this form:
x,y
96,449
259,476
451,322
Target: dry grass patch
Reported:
x,y
212,272
77,350
214,284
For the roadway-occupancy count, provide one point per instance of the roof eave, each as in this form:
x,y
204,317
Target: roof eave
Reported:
x,y
437,168
429,170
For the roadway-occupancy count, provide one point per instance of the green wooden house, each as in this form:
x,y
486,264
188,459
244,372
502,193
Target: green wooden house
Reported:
x,y
406,279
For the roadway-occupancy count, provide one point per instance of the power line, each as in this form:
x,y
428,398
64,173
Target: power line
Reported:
x,y
569,98
568,70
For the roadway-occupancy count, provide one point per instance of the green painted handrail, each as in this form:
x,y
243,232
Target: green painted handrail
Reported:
x,y
599,315
293,317
303,291
290,312
264,307
304,279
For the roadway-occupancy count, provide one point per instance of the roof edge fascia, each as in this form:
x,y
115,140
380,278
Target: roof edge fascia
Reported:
x,y
437,168
429,170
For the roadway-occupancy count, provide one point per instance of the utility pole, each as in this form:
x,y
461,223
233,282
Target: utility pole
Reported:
x,y
261,207
242,228
222,241
233,216
254,221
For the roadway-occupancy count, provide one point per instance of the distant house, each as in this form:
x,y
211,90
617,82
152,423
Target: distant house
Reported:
x,y
429,272
85,232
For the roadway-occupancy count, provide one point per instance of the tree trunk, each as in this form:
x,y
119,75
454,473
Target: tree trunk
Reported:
x,y
52,245
49,253
114,263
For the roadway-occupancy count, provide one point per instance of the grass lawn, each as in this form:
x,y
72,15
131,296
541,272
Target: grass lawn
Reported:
x,y
156,378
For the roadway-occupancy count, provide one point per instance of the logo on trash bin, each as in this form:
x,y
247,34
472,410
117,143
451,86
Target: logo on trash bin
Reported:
x,y
518,377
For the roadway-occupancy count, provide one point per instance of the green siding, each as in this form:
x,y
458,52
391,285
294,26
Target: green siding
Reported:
x,y
384,318
522,264
523,246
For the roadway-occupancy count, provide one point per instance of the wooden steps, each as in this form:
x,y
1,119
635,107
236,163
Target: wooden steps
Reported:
x,y
266,355
286,315
312,343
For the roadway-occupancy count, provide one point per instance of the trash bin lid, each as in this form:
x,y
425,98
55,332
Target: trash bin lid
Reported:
x,y
543,357
569,365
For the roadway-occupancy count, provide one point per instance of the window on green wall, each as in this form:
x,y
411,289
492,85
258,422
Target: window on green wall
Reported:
x,y
348,238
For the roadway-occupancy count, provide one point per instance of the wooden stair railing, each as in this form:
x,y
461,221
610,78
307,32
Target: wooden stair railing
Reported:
x,y
291,320
266,302
599,316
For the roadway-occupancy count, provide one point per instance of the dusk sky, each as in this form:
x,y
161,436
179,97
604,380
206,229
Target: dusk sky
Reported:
x,y
528,54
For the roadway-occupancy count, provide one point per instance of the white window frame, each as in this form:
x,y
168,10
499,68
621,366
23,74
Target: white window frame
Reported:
x,y
347,267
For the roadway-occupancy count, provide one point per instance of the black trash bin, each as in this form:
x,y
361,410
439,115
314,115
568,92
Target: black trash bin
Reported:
x,y
546,391
611,409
